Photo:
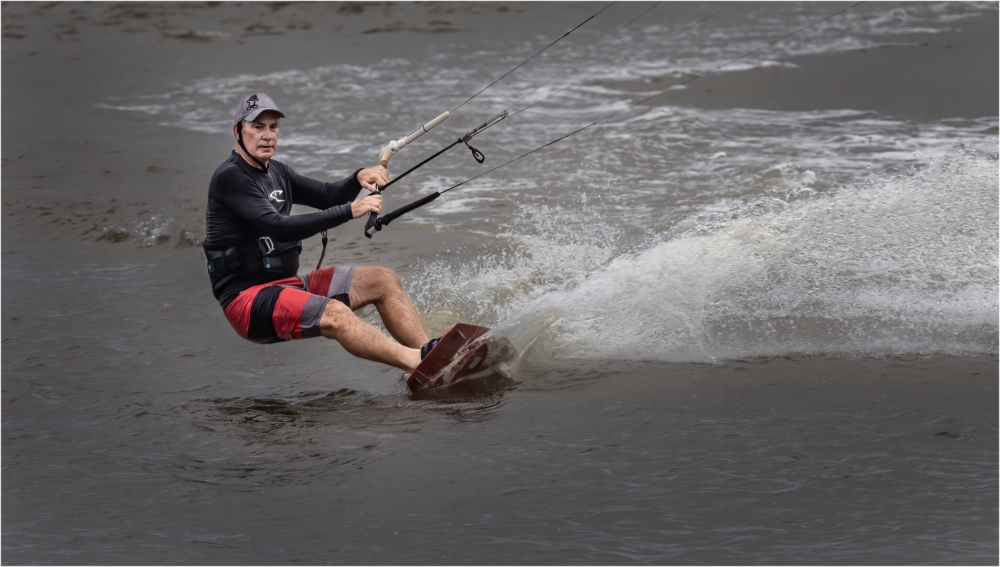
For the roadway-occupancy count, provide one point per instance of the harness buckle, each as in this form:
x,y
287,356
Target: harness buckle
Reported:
x,y
266,245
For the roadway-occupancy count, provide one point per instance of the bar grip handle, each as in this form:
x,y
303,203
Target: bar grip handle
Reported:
x,y
374,223
385,219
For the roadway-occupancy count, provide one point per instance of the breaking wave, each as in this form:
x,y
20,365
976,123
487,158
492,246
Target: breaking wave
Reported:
x,y
891,265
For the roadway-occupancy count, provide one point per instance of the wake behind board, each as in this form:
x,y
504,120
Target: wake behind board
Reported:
x,y
461,354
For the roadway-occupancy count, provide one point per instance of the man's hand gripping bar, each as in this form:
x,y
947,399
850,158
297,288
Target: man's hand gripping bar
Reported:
x,y
374,223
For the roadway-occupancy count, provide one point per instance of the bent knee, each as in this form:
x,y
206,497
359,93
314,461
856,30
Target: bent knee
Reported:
x,y
372,284
386,278
335,316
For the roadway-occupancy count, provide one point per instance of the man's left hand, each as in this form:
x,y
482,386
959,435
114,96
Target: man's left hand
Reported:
x,y
372,178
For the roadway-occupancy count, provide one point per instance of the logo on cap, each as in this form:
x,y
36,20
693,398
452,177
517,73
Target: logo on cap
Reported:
x,y
252,105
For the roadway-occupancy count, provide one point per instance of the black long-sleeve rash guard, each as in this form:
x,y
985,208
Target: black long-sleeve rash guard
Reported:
x,y
246,203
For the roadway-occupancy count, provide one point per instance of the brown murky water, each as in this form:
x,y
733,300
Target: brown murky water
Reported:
x,y
765,305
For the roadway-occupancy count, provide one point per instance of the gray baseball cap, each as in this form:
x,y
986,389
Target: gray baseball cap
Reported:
x,y
252,105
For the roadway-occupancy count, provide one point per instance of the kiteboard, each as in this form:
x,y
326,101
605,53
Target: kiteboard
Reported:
x,y
463,353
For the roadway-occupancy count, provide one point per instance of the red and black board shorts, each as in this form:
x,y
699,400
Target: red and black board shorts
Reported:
x,y
289,308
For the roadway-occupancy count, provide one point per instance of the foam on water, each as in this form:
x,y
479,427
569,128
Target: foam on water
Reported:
x,y
758,242
891,265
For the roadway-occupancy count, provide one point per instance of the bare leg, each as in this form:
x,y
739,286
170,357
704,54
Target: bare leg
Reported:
x,y
363,340
381,287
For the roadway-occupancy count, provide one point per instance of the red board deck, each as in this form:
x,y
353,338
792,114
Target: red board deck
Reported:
x,y
459,355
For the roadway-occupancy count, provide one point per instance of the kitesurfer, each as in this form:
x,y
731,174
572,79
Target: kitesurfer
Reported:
x,y
252,245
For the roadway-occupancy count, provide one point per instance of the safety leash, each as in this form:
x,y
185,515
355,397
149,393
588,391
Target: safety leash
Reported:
x,y
323,253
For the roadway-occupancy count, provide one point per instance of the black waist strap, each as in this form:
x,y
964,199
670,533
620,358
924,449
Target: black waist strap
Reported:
x,y
238,267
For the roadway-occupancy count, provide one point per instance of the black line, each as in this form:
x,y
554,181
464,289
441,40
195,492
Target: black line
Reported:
x,y
533,56
648,99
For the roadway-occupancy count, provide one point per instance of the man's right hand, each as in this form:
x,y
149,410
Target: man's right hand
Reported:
x,y
370,204
371,178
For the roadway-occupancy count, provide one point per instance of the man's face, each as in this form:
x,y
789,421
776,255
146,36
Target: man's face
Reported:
x,y
261,136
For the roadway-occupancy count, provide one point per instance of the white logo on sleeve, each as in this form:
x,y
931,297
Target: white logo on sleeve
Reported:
x,y
276,194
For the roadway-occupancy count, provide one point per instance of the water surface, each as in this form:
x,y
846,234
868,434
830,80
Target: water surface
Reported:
x,y
764,305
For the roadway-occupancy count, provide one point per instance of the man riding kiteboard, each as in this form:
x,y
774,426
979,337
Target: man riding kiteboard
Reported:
x,y
253,242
